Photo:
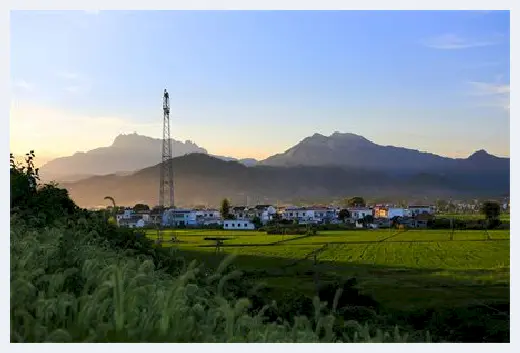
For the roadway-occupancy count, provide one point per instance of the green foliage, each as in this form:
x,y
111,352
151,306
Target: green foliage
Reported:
x,y
43,204
23,180
343,214
224,209
67,288
491,210
356,201
141,207
257,222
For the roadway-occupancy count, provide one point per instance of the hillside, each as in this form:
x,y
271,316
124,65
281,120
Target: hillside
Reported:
x,y
127,153
202,179
350,150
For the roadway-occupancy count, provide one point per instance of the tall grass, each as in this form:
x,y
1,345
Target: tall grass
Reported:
x,y
68,287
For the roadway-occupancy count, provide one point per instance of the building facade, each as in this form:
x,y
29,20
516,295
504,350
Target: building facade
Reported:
x,y
179,217
235,224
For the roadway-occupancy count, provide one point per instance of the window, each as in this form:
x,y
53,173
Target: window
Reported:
x,y
233,224
238,225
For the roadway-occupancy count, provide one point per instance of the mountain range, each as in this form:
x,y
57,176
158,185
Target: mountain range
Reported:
x,y
127,153
318,168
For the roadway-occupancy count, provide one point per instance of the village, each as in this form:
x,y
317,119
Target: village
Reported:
x,y
250,218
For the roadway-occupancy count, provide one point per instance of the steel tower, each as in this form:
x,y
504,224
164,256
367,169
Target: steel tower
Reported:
x,y
166,182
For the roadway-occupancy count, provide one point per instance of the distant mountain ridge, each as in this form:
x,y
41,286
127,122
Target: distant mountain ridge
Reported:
x,y
203,179
131,153
128,153
351,150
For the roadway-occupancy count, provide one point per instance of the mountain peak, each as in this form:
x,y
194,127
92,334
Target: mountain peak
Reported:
x,y
480,154
347,136
129,140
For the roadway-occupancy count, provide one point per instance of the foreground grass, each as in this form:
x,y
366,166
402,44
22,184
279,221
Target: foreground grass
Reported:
x,y
68,287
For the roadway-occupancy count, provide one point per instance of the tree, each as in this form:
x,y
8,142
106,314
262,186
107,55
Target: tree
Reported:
x,y
356,201
224,209
28,198
141,207
368,219
23,180
491,210
343,214
257,222
441,205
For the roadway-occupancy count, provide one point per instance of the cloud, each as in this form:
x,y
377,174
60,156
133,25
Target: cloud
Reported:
x,y
28,86
497,93
484,88
454,42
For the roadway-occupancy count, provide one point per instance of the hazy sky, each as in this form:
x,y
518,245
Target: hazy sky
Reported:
x,y
251,84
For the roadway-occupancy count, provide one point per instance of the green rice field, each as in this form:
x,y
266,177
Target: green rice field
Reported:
x,y
404,269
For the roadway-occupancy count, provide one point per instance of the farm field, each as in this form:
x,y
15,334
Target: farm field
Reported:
x,y
472,216
402,269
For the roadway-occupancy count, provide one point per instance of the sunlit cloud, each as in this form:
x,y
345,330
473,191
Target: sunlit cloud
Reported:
x,y
498,93
454,41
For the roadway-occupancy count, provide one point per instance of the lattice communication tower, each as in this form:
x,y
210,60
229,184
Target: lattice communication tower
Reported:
x,y
166,182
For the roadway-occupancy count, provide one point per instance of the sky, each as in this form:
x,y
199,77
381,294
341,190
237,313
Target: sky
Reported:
x,y
255,83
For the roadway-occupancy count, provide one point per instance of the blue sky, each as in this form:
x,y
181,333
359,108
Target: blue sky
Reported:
x,y
251,84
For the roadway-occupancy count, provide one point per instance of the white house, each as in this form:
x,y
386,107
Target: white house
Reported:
x,y
419,209
145,215
179,217
360,212
314,214
236,224
128,213
264,212
322,214
300,214
395,212
132,222
389,212
208,216
125,214
240,212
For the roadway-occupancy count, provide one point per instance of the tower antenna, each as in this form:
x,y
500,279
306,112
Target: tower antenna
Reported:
x,y
166,182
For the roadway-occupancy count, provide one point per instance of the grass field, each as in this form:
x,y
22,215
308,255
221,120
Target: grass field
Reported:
x,y
476,216
402,269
